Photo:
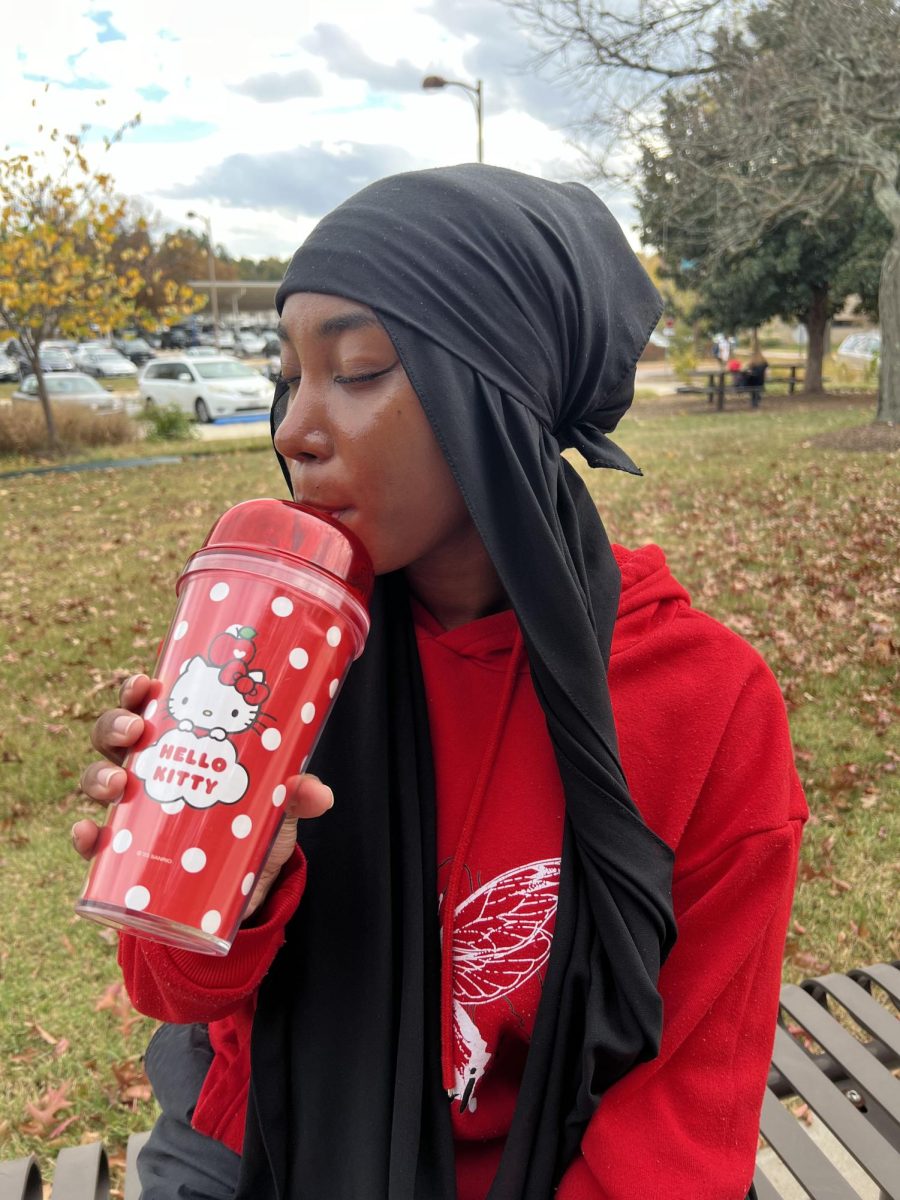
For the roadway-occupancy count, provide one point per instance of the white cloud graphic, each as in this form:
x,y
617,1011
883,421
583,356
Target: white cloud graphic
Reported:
x,y
198,770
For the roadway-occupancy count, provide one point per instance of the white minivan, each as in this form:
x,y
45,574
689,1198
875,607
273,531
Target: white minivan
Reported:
x,y
206,388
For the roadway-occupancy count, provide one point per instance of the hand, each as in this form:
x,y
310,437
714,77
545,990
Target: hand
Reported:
x,y
114,734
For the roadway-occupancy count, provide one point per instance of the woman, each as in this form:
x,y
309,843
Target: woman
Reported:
x,y
445,335
753,376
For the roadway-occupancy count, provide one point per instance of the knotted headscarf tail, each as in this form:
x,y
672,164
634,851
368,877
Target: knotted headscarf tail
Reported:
x,y
519,313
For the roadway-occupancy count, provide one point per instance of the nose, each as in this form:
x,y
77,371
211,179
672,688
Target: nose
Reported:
x,y
304,434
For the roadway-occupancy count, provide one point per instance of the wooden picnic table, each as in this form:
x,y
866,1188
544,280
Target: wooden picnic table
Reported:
x,y
718,381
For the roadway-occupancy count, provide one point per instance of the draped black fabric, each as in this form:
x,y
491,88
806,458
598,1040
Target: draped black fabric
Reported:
x,y
519,312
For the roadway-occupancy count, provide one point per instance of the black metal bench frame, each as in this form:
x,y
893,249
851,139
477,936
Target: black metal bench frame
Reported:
x,y
848,1082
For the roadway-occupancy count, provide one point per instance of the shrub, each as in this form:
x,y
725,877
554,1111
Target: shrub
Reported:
x,y
682,353
23,429
167,424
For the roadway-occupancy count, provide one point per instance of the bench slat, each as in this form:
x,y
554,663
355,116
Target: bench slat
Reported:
x,y
862,1007
812,1169
132,1182
81,1173
764,1189
874,1154
862,1066
20,1179
886,976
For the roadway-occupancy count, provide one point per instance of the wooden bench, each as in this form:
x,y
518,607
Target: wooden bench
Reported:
x,y
846,1079
717,383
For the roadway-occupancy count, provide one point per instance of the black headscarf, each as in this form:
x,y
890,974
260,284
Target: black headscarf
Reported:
x,y
519,313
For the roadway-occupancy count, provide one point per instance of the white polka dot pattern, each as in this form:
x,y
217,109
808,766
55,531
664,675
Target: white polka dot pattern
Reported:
x,y
193,860
218,592
121,841
211,921
333,687
247,883
241,826
333,636
278,796
180,630
137,898
271,739
308,713
282,606
298,658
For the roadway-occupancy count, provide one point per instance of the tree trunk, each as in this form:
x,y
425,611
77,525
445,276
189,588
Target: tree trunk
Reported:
x,y
816,326
52,436
889,316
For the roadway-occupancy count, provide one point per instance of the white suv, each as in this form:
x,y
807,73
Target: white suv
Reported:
x,y
206,388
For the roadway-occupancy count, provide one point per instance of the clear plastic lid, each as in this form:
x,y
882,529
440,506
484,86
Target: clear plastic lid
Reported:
x,y
296,534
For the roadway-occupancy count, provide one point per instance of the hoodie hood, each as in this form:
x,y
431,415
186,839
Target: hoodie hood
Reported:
x,y
650,599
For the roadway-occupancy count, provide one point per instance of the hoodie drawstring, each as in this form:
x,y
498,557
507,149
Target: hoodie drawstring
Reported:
x,y
457,867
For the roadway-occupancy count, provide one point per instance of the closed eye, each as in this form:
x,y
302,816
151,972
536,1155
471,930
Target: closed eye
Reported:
x,y
365,378
342,379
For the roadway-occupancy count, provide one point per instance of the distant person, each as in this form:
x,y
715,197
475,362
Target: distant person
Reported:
x,y
753,377
448,981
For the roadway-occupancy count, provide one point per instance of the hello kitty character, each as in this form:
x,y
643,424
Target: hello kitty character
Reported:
x,y
212,699
218,694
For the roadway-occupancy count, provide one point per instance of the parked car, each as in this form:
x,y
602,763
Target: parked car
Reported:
x,y
207,337
205,387
9,368
72,388
105,363
53,358
137,349
247,342
178,337
860,347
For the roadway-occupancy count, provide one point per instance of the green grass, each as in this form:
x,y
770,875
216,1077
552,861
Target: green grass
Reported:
x,y
791,544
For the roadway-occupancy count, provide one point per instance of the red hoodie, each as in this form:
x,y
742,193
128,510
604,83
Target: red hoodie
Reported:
x,y
705,746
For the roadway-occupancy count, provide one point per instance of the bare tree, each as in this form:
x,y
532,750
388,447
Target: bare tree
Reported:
x,y
797,102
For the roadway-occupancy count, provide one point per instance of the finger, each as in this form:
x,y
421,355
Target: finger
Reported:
x,y
84,837
115,732
134,692
103,782
307,797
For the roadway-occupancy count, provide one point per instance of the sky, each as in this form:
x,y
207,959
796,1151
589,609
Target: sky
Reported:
x,y
263,116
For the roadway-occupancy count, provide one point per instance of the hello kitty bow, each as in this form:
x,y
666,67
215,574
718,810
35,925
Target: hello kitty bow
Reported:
x,y
235,674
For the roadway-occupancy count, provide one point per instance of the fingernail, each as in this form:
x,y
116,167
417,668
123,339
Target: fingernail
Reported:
x,y
331,793
106,776
123,725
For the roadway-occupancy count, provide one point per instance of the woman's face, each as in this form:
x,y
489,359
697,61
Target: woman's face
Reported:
x,y
357,442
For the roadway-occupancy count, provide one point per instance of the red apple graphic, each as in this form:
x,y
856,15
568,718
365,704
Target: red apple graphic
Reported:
x,y
229,647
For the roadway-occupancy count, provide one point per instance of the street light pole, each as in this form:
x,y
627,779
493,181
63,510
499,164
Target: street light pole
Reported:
x,y
476,91
211,259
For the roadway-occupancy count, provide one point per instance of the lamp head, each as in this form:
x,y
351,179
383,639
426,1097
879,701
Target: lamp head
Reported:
x,y
434,81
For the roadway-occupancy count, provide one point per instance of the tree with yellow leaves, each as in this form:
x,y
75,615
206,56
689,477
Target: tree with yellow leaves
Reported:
x,y
63,272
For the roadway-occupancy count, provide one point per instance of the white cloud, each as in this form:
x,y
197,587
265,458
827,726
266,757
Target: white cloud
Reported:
x,y
329,82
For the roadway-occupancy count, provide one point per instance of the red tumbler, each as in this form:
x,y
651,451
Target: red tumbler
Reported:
x,y
272,610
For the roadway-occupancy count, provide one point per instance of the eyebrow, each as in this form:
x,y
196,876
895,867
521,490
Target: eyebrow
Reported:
x,y
332,326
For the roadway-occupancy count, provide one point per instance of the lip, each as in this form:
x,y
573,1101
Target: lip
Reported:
x,y
335,511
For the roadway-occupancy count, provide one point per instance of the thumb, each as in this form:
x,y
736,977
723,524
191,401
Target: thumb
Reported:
x,y
307,797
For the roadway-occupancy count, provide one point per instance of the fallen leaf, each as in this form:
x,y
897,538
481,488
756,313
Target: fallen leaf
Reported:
x,y
41,1032
50,1103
